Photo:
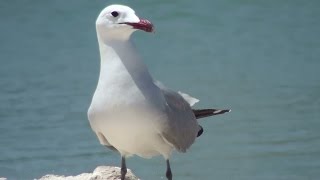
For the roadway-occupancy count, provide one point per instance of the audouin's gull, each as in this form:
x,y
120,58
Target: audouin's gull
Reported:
x,y
130,112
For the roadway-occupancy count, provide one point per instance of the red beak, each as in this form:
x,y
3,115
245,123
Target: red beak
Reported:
x,y
143,25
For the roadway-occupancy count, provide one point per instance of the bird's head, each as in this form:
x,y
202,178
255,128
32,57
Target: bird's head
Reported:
x,y
119,22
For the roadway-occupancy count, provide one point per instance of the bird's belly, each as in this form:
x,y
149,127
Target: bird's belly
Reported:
x,y
133,132
131,139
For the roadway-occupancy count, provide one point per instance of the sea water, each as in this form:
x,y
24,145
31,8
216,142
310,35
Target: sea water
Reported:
x,y
259,58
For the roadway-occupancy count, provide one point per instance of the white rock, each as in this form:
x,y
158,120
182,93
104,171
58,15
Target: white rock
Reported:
x,y
100,173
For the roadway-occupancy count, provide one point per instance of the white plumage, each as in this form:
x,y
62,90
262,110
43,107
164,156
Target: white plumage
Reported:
x,y
128,110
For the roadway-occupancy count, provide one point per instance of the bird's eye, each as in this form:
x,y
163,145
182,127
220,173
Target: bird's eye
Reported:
x,y
114,13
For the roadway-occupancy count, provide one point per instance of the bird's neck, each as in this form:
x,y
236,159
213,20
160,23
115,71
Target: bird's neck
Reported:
x,y
123,73
120,57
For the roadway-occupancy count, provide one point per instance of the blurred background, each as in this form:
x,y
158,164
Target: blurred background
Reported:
x,y
259,58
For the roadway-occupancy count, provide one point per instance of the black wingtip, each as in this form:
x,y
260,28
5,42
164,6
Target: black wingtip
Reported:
x,y
218,111
201,113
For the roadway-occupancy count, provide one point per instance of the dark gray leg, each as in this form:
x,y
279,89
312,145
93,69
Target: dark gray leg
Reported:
x,y
168,173
123,168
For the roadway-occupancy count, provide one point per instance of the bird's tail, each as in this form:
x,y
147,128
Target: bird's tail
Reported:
x,y
202,113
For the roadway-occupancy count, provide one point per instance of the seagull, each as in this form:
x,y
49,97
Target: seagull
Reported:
x,y
130,112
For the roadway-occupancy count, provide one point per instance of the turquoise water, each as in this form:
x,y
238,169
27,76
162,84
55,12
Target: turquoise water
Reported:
x,y
259,58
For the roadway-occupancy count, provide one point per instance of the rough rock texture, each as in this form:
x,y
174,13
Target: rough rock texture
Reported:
x,y
100,173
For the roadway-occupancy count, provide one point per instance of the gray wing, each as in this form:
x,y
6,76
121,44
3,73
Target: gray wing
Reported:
x,y
181,127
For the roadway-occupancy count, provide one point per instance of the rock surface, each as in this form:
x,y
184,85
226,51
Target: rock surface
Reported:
x,y
100,173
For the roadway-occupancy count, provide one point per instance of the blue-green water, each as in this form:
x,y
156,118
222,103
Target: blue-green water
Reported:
x,y
259,58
